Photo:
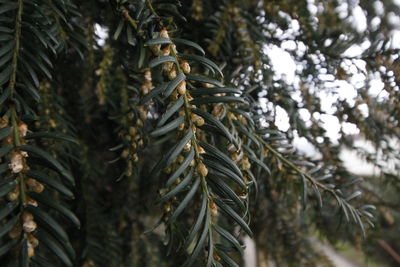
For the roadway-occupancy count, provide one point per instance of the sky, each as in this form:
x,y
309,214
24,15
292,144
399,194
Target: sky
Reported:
x,y
285,68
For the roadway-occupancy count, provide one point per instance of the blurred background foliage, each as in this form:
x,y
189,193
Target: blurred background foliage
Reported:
x,y
165,132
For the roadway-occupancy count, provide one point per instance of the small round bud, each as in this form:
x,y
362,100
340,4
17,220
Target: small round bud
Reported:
x,y
201,149
16,164
147,75
132,131
199,122
181,127
27,216
172,74
29,226
166,51
202,169
214,209
22,128
33,241
125,153
182,87
164,33
38,188
185,66
187,147
12,196
32,202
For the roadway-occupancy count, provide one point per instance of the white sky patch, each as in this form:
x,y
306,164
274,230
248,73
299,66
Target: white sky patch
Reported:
x,y
379,8
359,19
282,63
395,39
101,33
306,148
332,126
364,110
282,119
350,128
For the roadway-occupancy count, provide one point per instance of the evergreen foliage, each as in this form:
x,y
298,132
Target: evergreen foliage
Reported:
x,y
158,145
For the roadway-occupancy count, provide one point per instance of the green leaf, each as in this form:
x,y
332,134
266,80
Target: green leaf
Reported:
x,y
3,168
217,99
8,208
4,229
173,84
229,211
52,135
227,259
198,222
5,74
7,48
204,61
304,195
5,132
119,29
54,247
7,246
228,192
6,186
168,127
6,30
204,79
158,41
185,201
58,207
189,43
51,182
171,111
5,95
200,241
181,168
8,7
153,93
172,153
215,90
221,157
230,238
179,187
24,254
213,121
160,60
45,220
50,159
129,36
5,149
219,169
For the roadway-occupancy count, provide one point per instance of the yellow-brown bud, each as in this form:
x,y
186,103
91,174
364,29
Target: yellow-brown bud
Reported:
x,y
172,74
132,131
16,164
187,147
38,188
164,33
31,251
185,66
181,87
22,128
27,216
29,226
33,241
202,169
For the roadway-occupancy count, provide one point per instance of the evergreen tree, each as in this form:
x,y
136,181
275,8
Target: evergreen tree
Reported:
x,y
158,144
